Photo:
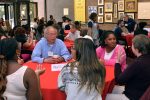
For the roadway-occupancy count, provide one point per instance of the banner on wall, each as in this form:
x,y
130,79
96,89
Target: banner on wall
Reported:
x,y
79,10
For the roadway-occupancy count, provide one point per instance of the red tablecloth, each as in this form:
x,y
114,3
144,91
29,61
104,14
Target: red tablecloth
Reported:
x,y
129,38
66,32
48,81
69,44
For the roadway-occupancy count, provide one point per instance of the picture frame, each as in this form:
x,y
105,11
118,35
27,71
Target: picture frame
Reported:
x,y
120,15
130,5
92,9
101,10
131,15
108,7
108,17
100,19
115,12
100,2
121,5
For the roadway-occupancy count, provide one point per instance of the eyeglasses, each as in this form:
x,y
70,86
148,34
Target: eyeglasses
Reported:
x,y
52,34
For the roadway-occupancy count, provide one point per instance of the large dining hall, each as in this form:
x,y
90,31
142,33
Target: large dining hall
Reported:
x,y
74,49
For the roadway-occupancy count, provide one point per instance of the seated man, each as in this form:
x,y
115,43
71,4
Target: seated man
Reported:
x,y
73,34
49,46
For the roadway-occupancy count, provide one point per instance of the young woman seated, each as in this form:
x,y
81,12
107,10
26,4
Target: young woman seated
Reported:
x,y
108,51
84,78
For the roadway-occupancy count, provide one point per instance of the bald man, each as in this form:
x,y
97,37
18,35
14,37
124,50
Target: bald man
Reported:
x,y
49,46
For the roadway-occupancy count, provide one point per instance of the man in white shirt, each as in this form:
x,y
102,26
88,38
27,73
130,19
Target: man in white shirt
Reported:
x,y
73,34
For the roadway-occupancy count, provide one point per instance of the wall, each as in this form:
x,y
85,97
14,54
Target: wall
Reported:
x,y
55,8
40,7
110,26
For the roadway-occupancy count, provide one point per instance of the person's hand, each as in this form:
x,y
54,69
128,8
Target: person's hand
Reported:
x,y
39,69
124,34
50,60
59,59
20,61
102,61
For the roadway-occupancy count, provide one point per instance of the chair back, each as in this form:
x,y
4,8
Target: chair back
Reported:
x,y
146,95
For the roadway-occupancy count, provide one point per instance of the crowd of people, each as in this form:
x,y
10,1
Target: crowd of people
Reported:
x,y
93,50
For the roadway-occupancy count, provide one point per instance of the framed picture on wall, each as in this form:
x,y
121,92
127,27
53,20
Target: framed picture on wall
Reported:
x,y
131,15
120,15
100,2
121,5
108,7
108,17
100,19
130,5
115,13
92,9
101,10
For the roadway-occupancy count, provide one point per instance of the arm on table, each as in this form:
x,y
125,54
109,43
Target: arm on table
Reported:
x,y
36,54
53,60
68,36
64,52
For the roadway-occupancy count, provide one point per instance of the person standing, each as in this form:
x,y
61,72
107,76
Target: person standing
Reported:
x,y
93,28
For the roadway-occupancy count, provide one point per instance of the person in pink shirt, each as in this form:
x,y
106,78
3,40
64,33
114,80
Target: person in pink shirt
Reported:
x,y
109,49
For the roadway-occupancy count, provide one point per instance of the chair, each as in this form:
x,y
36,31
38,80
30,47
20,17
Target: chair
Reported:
x,y
146,95
108,88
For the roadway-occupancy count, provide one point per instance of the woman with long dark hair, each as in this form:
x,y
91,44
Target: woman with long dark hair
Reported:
x,y
84,78
16,82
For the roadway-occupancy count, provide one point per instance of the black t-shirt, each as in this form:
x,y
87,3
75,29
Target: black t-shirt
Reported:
x,y
140,31
118,31
90,24
130,24
136,77
67,27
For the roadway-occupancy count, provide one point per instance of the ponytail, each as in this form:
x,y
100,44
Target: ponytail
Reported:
x,y
3,73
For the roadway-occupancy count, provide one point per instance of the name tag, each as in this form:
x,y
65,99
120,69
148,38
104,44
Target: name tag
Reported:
x,y
126,24
57,67
50,53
